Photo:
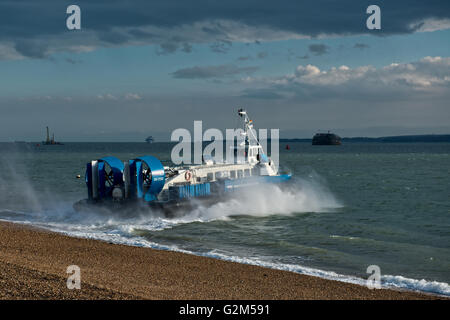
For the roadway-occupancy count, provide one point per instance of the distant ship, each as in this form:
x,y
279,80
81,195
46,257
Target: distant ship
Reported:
x,y
149,139
51,141
326,139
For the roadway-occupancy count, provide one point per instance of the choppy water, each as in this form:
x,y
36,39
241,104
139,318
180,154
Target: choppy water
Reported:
x,y
350,207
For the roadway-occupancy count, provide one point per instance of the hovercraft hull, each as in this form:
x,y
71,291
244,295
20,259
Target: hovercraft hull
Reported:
x,y
177,207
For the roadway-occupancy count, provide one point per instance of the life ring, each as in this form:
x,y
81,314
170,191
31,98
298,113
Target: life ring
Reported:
x,y
187,175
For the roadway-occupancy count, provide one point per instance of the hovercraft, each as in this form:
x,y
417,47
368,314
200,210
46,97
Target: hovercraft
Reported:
x,y
144,182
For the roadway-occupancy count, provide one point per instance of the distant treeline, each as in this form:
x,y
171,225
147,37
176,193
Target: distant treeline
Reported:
x,y
413,138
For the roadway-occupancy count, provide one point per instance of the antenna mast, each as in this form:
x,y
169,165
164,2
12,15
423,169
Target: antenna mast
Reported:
x,y
248,127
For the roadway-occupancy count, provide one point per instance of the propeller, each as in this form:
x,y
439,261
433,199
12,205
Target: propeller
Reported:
x,y
146,175
109,176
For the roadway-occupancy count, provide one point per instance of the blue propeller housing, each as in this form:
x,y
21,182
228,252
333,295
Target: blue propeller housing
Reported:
x,y
147,177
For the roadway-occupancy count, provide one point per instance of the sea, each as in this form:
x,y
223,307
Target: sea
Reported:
x,y
348,208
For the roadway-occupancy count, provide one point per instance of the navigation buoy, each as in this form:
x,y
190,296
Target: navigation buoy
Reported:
x,y
78,176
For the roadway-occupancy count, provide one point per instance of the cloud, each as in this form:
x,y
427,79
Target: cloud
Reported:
x,y
318,49
265,94
430,25
171,25
167,48
31,48
127,96
206,72
172,46
428,76
361,46
72,61
221,46
186,48
132,96
244,58
262,55
8,52
259,55
107,96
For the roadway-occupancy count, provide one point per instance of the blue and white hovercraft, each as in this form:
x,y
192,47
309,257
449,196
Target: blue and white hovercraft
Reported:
x,y
144,182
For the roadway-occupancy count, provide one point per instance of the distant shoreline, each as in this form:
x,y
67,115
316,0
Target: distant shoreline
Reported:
x,y
386,139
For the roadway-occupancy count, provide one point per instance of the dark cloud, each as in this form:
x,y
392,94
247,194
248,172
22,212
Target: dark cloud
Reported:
x,y
186,48
31,48
167,48
319,49
244,58
173,46
214,30
259,55
361,46
207,72
221,46
264,94
262,55
141,34
113,37
72,61
113,23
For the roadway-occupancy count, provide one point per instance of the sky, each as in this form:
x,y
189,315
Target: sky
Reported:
x,y
140,68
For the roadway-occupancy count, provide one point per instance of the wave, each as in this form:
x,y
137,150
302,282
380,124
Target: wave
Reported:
x,y
125,238
387,281
302,196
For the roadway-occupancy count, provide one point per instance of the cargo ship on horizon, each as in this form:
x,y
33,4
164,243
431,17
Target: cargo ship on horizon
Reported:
x,y
326,139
